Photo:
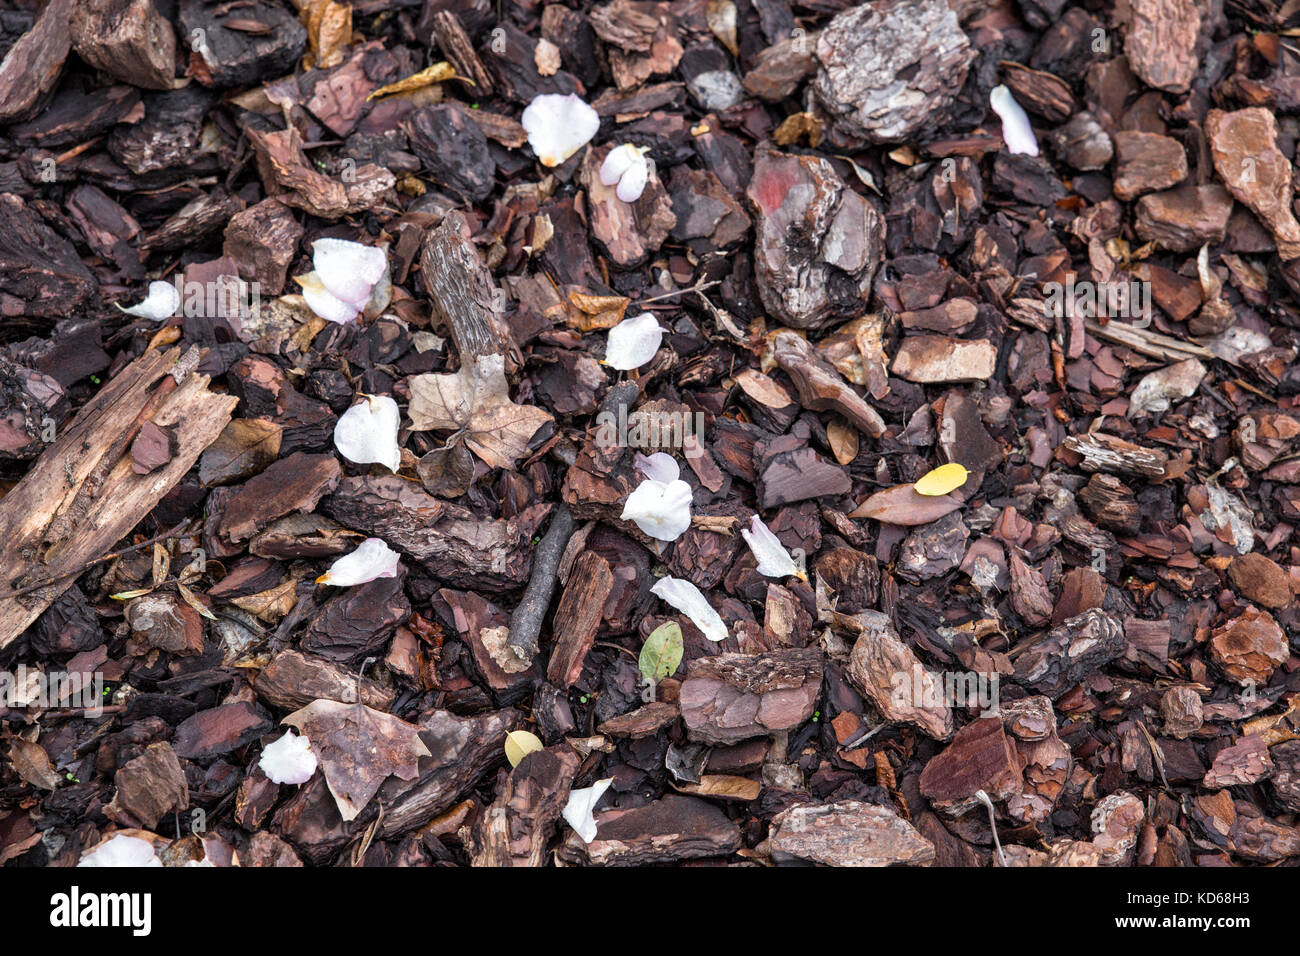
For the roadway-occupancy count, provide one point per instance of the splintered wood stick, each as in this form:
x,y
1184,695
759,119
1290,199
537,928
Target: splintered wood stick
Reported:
x,y
81,496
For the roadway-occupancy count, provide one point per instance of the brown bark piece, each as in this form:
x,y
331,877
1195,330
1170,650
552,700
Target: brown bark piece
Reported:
x,y
1244,762
629,232
263,240
1244,146
848,833
1147,162
149,787
1249,647
293,680
1161,42
1058,660
820,386
32,66
732,697
980,757
127,39
516,828
1184,219
891,675
828,273
578,617
1261,580
669,830
932,359
219,730
889,70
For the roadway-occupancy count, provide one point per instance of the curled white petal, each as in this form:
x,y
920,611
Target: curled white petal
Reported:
x,y
686,597
371,560
323,302
773,559
349,270
558,125
578,811
619,161
626,165
161,303
661,511
633,342
633,183
1016,131
288,760
367,432
122,850
660,466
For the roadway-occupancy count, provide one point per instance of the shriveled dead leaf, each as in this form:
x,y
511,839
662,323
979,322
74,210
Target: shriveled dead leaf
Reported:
x,y
477,400
901,505
762,389
721,17
329,31
796,126
416,81
844,440
244,447
33,764
587,313
358,749
723,786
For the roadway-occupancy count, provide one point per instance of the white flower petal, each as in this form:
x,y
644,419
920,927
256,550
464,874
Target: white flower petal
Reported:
x,y
773,559
323,302
618,162
367,432
633,183
558,126
661,510
161,303
122,850
578,811
686,597
288,760
1016,131
633,342
660,466
371,560
349,270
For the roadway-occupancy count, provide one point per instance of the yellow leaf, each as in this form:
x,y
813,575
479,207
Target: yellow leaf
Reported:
x,y
430,74
520,743
942,480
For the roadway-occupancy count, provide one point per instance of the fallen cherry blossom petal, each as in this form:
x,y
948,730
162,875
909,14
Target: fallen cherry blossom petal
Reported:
x,y
577,812
160,304
661,505
367,432
372,559
558,125
1016,131
633,342
773,559
288,760
686,597
122,850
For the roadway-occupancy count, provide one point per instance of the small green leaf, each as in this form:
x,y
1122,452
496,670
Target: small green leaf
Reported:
x,y
662,652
